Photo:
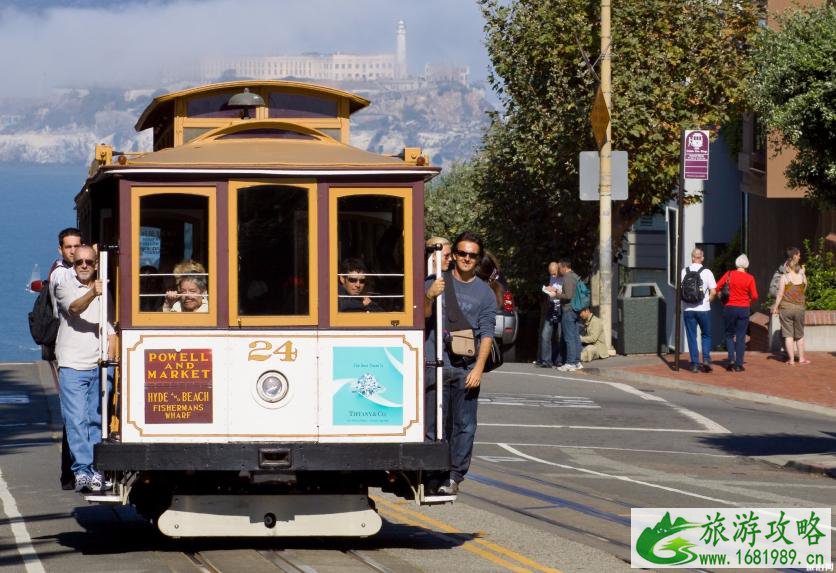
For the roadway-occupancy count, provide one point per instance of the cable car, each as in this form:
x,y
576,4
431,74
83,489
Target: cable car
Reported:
x,y
267,286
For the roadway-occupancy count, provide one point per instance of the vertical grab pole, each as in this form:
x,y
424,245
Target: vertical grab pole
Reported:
x,y
103,338
439,356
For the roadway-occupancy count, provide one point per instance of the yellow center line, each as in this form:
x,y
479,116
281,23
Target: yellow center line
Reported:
x,y
402,511
399,517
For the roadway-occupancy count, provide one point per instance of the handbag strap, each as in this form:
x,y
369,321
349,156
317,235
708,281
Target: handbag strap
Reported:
x,y
454,319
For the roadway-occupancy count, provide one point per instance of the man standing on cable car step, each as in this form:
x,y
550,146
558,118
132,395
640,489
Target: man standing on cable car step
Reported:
x,y
77,351
462,373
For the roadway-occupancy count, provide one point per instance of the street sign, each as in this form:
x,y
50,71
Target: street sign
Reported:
x,y
695,154
600,118
590,176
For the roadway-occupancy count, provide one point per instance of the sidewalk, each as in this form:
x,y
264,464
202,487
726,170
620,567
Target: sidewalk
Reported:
x,y
766,377
767,380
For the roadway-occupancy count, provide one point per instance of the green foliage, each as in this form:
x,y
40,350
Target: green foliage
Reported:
x,y
452,203
794,91
675,65
821,277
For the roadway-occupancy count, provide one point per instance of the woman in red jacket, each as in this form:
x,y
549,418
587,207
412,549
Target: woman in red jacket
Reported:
x,y
742,293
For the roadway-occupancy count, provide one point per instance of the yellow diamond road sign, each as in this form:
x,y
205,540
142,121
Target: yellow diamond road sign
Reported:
x,y
600,117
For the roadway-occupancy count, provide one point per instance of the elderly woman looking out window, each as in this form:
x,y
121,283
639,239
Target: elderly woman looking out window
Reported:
x,y
190,295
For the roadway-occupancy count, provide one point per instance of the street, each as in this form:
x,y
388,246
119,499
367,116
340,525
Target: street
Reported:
x,y
559,462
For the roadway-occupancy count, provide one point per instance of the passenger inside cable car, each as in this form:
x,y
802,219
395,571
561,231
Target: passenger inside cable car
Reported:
x,y
190,295
353,288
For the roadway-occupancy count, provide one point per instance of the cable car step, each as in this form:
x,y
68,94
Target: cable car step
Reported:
x,y
110,498
437,499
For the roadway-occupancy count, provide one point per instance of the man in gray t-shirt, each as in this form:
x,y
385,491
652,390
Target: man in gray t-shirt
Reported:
x,y
463,376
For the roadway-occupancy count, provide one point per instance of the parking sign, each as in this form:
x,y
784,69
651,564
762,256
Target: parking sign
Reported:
x,y
695,154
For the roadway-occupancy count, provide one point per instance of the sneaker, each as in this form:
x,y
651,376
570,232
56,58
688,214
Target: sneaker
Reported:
x,y
706,367
82,482
450,487
99,483
568,368
578,366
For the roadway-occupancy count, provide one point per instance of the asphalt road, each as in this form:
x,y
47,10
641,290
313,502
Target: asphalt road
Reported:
x,y
558,464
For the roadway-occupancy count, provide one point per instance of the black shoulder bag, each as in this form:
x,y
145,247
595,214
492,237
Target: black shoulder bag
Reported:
x,y
462,339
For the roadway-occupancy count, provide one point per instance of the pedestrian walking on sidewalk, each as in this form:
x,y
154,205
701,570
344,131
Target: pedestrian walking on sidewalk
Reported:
x,y
698,290
569,318
789,306
742,292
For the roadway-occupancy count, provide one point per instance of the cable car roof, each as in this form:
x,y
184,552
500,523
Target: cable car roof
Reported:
x,y
162,104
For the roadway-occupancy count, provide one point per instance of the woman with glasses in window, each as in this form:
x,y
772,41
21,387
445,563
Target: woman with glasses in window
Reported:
x,y
190,295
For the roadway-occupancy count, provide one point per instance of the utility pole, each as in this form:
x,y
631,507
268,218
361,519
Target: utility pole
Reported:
x,y
605,190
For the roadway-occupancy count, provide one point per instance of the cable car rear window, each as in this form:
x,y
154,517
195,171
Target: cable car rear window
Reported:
x,y
273,269
371,253
174,253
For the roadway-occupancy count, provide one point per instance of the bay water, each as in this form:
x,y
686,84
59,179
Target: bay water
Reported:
x,y
36,202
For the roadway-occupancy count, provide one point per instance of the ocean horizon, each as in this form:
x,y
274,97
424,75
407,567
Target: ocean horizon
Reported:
x,y
36,202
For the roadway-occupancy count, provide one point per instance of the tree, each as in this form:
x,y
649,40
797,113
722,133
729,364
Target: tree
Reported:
x,y
676,64
452,204
793,90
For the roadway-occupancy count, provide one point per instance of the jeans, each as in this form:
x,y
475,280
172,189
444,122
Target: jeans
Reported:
x,y
737,321
571,335
692,318
550,341
81,408
459,406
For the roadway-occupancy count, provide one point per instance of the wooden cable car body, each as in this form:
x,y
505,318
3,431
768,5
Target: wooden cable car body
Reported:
x,y
270,401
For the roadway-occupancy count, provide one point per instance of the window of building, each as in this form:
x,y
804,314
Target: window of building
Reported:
x,y
373,238
173,264
267,133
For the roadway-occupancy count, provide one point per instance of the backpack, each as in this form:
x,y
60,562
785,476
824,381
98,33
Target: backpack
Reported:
x,y
580,300
692,286
43,326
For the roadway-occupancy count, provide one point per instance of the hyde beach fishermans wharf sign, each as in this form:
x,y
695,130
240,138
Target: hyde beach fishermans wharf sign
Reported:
x,y
695,154
178,386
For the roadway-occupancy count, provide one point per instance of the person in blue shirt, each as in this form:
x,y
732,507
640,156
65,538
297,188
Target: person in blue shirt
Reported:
x,y
462,376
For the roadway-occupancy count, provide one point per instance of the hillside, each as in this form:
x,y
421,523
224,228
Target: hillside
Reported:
x,y
445,119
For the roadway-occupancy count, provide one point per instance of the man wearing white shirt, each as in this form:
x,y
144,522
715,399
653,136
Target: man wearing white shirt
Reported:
x,y
77,351
699,313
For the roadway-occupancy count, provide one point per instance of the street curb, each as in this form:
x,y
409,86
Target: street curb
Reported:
x,y
617,375
802,464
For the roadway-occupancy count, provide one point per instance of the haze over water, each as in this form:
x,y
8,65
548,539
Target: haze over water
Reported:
x,y
36,201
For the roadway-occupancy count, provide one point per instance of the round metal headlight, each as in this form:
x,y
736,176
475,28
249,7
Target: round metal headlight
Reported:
x,y
272,386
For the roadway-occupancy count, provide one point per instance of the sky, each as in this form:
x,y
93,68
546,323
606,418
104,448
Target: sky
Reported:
x,y
81,43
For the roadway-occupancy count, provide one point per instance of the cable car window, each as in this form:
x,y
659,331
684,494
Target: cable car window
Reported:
x,y
370,274
211,106
267,133
295,105
273,257
173,253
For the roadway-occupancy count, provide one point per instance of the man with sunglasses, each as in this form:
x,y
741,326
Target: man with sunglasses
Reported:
x,y
463,376
353,283
77,351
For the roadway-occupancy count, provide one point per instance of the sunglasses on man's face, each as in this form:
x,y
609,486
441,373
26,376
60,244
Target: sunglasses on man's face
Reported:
x,y
356,280
80,262
467,255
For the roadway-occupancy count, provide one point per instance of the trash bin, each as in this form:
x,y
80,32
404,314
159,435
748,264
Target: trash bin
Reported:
x,y
641,319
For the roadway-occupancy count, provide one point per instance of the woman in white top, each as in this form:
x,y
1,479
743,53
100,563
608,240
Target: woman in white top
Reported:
x,y
190,295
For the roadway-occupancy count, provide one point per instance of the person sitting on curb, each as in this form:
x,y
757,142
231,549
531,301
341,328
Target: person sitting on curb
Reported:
x,y
594,343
